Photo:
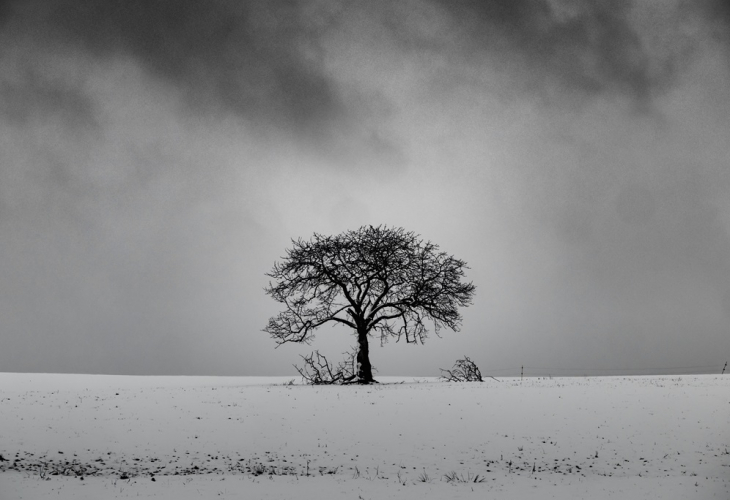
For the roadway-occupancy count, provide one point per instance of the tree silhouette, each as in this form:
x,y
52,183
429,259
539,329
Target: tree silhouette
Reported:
x,y
376,280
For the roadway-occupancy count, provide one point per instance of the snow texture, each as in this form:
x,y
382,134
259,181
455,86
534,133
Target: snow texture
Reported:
x,y
97,437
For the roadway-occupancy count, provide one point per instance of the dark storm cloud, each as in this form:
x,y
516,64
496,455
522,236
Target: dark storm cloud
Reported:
x,y
243,57
589,47
5,10
717,12
582,48
258,61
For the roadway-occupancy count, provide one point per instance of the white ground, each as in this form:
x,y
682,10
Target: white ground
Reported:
x,y
98,437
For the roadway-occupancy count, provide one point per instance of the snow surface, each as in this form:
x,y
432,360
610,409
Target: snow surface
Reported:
x,y
97,437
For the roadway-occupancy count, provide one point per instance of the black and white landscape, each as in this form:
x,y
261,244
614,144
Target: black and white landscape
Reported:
x,y
553,177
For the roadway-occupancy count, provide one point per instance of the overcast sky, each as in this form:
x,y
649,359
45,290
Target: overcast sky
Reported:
x,y
156,158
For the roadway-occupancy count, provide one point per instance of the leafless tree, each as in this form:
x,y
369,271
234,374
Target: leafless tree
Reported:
x,y
464,370
376,280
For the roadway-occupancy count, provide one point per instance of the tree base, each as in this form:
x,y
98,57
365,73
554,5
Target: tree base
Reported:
x,y
359,381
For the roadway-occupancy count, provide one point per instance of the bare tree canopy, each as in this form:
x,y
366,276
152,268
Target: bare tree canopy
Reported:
x,y
376,280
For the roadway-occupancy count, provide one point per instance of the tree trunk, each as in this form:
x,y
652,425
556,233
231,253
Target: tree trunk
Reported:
x,y
364,369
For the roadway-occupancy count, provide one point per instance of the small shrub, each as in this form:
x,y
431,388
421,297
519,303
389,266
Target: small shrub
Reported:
x,y
469,478
464,370
317,369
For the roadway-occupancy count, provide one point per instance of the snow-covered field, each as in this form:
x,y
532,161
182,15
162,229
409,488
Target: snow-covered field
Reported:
x,y
97,437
